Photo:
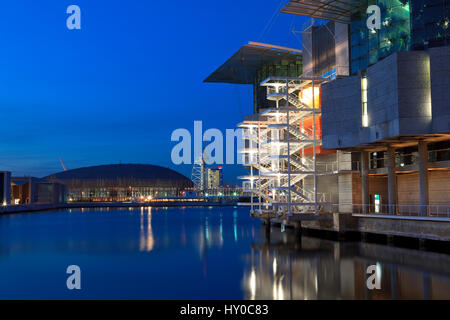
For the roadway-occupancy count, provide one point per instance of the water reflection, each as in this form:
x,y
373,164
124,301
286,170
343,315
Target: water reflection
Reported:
x,y
308,269
147,241
201,253
235,225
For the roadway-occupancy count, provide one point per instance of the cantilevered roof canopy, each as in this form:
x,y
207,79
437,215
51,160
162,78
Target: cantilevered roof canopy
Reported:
x,y
335,10
241,68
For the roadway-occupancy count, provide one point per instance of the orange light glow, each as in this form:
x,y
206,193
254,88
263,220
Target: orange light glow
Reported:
x,y
306,96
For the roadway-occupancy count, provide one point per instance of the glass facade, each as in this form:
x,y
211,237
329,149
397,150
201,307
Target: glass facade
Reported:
x,y
370,46
117,194
430,21
437,152
323,48
405,25
283,68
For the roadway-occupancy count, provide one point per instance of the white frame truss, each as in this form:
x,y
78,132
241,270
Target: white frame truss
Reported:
x,y
275,151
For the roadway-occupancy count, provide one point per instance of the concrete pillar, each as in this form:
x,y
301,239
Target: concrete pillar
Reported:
x,y
298,231
390,240
394,282
427,287
423,178
365,181
422,244
392,180
267,227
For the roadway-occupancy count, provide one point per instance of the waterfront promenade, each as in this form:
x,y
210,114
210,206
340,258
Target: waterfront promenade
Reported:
x,y
391,228
46,207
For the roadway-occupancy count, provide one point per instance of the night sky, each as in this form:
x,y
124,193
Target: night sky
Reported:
x,y
116,89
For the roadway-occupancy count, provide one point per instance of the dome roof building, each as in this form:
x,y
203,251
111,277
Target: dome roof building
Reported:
x,y
121,182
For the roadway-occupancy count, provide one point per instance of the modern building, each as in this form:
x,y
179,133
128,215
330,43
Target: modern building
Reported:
x,y
121,182
362,123
392,112
215,177
30,190
208,183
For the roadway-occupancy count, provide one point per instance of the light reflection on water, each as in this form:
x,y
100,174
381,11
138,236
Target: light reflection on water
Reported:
x,y
199,253
282,268
146,240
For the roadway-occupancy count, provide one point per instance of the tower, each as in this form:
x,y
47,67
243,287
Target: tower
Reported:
x,y
199,174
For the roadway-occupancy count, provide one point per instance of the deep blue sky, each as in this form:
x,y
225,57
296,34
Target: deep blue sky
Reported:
x,y
116,89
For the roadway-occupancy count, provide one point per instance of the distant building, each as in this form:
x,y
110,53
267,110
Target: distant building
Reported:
x,y
215,178
121,182
5,187
29,190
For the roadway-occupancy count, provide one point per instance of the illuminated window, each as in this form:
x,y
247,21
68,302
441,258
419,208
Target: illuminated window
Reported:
x,y
365,116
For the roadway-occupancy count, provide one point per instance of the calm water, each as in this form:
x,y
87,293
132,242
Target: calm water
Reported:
x,y
199,253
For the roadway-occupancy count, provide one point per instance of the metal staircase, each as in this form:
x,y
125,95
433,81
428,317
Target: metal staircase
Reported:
x,y
283,180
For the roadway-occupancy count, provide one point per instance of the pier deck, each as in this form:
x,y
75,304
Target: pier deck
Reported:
x,y
422,228
297,217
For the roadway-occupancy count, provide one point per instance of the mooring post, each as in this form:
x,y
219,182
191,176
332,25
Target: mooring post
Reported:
x,y
267,229
422,244
298,231
364,237
341,236
390,239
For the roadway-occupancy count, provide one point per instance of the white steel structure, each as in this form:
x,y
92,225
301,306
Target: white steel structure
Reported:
x,y
283,179
199,174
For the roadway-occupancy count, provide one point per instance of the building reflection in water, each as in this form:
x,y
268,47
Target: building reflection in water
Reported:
x,y
221,230
235,225
147,240
211,235
286,268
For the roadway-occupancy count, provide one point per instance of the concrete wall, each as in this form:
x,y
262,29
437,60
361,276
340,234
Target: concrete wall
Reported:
x,y
382,100
345,182
419,228
399,102
327,184
414,92
434,229
440,84
341,112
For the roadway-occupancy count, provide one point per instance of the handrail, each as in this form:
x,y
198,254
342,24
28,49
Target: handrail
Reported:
x,y
410,210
